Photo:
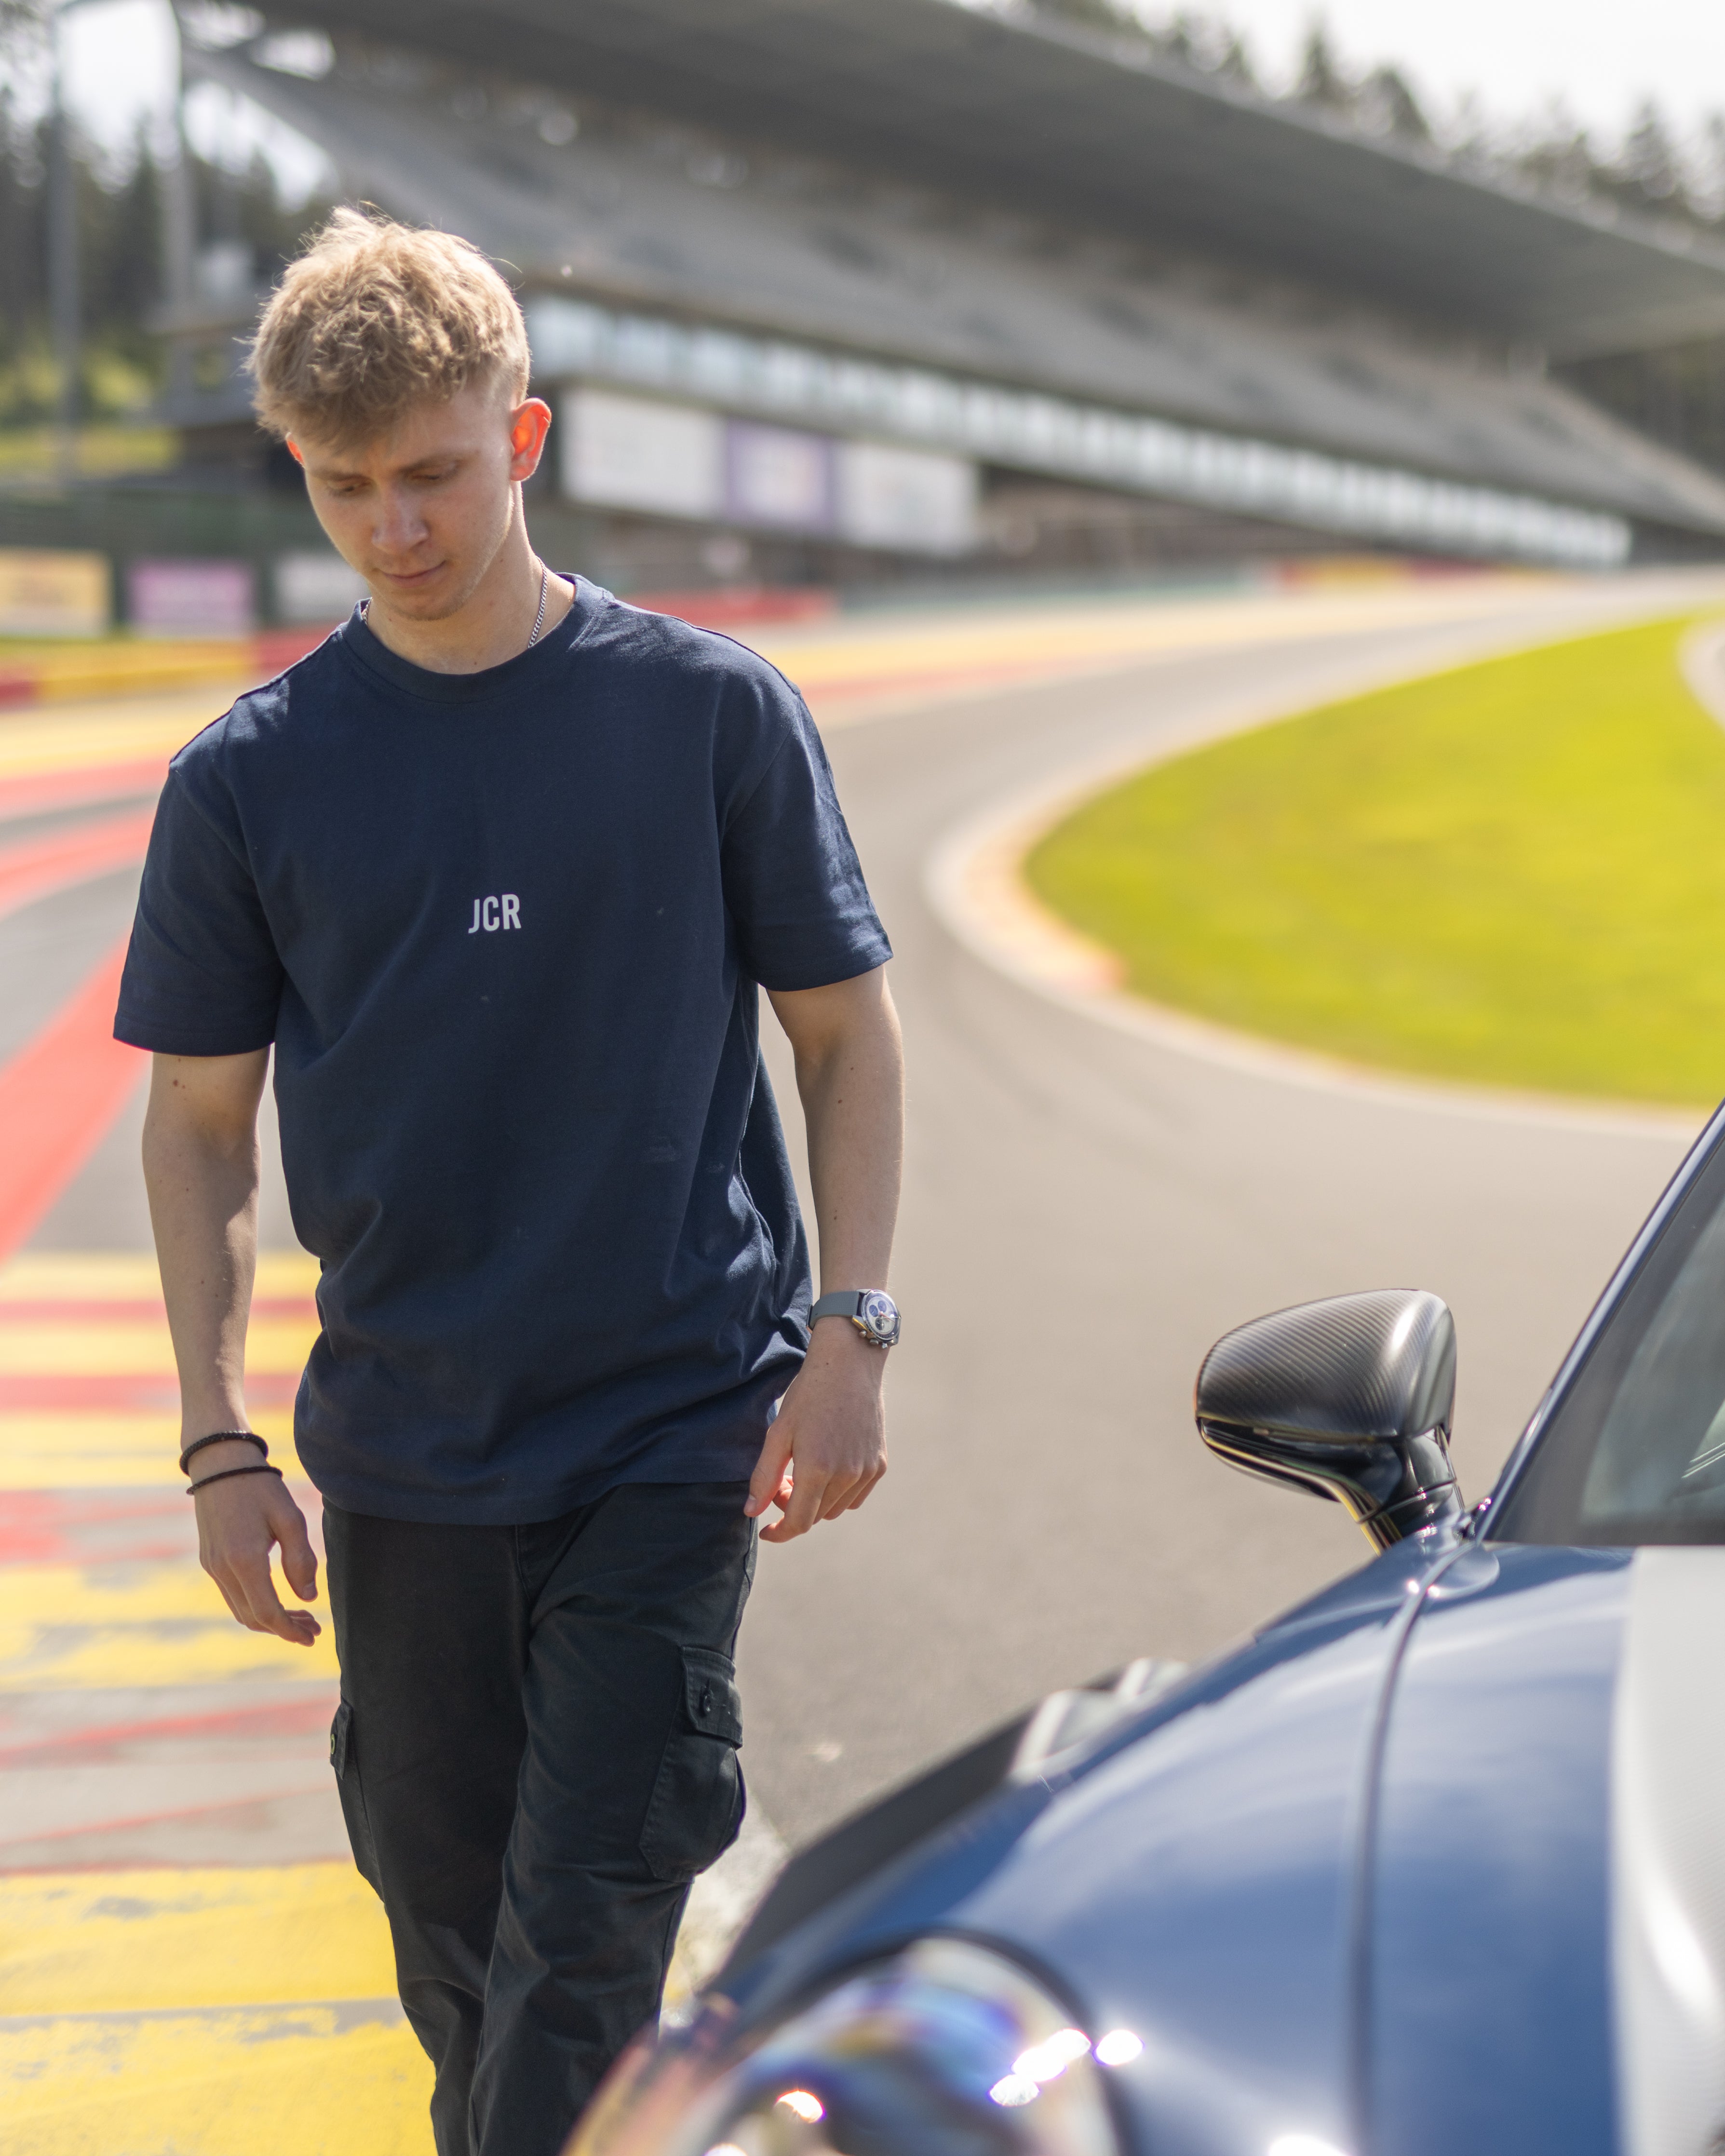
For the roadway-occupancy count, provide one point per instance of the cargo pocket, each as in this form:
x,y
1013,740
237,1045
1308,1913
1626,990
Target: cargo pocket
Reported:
x,y
344,1757
698,1800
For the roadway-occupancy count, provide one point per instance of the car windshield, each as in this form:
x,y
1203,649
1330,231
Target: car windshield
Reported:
x,y
1635,1449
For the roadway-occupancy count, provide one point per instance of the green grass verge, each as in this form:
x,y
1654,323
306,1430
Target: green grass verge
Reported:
x,y
1513,873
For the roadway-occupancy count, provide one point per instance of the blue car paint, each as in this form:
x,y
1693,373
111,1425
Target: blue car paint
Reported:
x,y
1233,1809
1377,1832
1489,1954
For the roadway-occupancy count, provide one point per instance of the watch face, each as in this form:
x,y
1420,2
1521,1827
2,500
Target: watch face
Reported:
x,y
879,1313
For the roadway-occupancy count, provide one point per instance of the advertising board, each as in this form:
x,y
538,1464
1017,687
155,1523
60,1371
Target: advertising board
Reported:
x,y
186,597
315,586
779,476
669,460
915,500
54,591
635,453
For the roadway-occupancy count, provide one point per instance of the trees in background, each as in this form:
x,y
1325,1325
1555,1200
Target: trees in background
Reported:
x,y
1650,171
1676,394
121,261
1679,396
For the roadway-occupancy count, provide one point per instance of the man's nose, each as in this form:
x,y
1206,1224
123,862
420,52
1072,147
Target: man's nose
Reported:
x,y
400,527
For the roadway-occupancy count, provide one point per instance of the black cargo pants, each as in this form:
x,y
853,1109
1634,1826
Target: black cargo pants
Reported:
x,y
536,1751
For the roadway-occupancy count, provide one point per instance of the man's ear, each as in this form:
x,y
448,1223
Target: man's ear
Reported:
x,y
529,424
293,449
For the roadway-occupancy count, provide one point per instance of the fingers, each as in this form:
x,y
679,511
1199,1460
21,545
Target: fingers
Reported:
x,y
847,1498
256,1583
856,1495
237,1529
235,1610
808,1498
299,1560
770,1483
836,1495
825,1451
801,1513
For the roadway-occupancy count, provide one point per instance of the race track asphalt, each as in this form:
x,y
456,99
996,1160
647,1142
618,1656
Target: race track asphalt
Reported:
x,y
1084,1213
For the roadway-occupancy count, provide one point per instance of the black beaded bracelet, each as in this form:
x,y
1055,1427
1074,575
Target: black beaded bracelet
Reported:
x,y
228,1474
222,1437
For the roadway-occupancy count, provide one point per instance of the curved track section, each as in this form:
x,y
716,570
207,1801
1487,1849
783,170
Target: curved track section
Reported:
x,y
1086,1209
1085,1213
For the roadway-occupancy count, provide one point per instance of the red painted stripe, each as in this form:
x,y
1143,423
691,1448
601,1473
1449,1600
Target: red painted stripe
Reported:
x,y
34,793
236,1809
50,1546
298,1717
58,1098
725,606
34,867
146,1393
893,681
53,1527
274,650
95,1505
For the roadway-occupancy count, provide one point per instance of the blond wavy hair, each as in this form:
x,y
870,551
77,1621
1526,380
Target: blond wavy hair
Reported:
x,y
376,316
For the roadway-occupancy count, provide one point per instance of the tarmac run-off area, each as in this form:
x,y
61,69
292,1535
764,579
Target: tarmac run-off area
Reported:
x,y
189,1965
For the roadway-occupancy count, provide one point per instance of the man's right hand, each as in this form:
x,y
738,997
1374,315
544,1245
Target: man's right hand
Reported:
x,y
201,1167
238,1522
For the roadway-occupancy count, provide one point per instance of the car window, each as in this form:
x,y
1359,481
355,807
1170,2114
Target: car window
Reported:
x,y
1634,1450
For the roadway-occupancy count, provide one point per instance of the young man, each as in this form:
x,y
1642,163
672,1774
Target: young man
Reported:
x,y
496,870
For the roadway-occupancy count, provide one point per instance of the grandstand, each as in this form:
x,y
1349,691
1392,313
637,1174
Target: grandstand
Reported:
x,y
827,288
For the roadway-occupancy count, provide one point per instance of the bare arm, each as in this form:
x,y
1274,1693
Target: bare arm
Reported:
x,y
827,1448
201,1169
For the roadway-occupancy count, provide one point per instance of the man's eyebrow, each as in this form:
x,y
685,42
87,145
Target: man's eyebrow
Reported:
x,y
335,474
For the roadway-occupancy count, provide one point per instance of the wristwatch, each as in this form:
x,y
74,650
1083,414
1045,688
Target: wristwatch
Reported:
x,y
872,1310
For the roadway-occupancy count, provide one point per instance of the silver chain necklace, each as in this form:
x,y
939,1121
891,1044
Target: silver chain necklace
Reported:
x,y
539,618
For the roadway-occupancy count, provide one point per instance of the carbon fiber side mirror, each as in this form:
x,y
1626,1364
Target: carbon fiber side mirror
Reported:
x,y
1350,1399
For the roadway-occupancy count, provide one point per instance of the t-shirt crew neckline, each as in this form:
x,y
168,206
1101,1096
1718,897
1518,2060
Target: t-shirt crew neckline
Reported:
x,y
367,651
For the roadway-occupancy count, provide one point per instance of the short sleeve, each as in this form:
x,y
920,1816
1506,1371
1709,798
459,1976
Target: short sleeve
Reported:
x,y
203,977
793,881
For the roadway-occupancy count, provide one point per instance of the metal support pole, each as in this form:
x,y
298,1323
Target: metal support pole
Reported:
x,y
179,201
63,262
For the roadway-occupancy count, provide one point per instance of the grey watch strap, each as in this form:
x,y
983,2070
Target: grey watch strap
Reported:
x,y
872,1310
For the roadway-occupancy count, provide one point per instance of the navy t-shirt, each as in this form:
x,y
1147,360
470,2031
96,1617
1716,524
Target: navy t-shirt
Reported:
x,y
504,931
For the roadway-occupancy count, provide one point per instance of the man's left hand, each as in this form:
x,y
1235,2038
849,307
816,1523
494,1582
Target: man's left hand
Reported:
x,y
827,1449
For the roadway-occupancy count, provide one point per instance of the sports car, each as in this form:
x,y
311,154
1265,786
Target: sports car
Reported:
x,y
1434,1865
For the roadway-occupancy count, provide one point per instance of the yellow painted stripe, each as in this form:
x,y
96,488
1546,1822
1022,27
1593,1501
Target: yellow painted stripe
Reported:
x,y
130,1275
146,1592
95,1347
119,732
245,2081
127,1625
89,1658
70,1941
115,1451
66,673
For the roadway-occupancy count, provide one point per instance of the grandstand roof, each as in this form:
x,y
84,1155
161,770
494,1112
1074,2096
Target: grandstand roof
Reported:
x,y
647,217
988,97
